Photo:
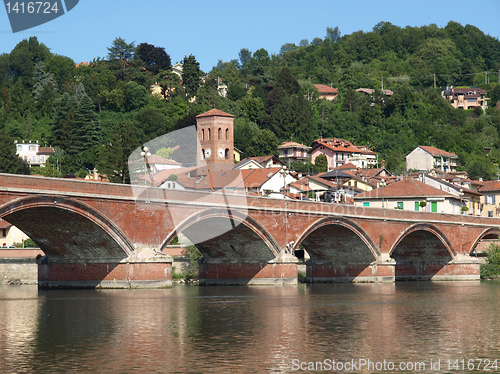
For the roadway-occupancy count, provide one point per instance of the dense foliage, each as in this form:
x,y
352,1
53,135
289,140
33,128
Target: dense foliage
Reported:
x,y
97,113
491,268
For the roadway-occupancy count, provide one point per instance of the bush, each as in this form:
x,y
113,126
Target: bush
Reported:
x,y
491,268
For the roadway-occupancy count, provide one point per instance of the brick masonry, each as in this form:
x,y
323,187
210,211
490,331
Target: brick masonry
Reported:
x,y
91,222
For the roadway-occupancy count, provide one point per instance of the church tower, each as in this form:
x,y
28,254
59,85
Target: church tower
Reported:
x,y
215,130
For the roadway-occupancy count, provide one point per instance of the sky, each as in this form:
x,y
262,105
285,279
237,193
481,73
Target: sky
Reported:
x,y
218,29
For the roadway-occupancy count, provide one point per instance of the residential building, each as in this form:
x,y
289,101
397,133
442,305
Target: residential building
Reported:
x,y
470,198
248,163
466,98
339,152
237,155
407,194
292,151
32,153
157,164
10,234
260,181
425,158
327,92
490,199
370,91
177,69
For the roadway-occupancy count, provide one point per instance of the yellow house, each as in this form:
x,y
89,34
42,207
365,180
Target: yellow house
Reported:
x,y
490,199
237,155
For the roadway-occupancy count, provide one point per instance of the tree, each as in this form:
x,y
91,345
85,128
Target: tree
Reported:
x,y
121,53
121,50
191,74
165,152
87,135
25,56
154,58
113,158
333,34
321,163
64,122
9,160
263,143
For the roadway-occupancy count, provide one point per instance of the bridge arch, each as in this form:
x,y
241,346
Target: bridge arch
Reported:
x,y
421,253
490,233
66,228
422,234
229,235
338,240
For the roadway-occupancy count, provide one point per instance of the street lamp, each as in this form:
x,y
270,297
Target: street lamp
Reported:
x,y
145,154
382,184
461,193
284,172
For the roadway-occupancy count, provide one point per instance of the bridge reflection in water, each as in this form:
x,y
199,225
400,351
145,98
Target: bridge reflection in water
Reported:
x,y
110,236
245,329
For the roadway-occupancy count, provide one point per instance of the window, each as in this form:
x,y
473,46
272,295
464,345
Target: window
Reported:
x,y
490,213
227,154
417,206
227,134
367,203
219,135
434,206
202,134
490,199
4,233
400,205
208,134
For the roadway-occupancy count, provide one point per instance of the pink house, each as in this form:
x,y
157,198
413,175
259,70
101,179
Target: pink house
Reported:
x,y
339,152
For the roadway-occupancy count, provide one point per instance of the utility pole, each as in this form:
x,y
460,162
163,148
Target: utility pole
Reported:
x,y
434,80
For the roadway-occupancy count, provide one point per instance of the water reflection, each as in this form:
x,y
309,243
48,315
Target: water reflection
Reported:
x,y
245,329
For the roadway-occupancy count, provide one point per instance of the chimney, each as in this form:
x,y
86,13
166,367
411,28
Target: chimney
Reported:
x,y
383,164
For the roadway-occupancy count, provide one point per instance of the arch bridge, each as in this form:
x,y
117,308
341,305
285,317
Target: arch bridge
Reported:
x,y
111,235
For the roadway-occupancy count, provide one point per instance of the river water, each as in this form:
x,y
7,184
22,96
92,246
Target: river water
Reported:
x,y
365,328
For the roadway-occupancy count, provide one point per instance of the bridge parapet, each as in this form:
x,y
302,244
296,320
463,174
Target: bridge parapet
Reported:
x,y
85,221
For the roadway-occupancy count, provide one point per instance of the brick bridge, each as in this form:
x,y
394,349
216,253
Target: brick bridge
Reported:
x,y
111,235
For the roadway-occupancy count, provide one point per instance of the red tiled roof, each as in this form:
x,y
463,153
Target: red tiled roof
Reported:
x,y
292,144
405,188
4,224
339,145
45,150
324,89
163,175
262,159
436,151
155,159
349,165
490,186
214,112
237,178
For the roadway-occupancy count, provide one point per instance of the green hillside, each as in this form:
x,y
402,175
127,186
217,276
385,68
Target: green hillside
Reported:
x,y
97,113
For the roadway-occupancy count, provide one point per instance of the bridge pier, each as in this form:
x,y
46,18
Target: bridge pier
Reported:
x,y
282,270
105,273
328,272
462,267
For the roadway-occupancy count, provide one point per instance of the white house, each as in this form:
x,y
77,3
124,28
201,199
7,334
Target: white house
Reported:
x,y
32,153
425,158
260,181
407,194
